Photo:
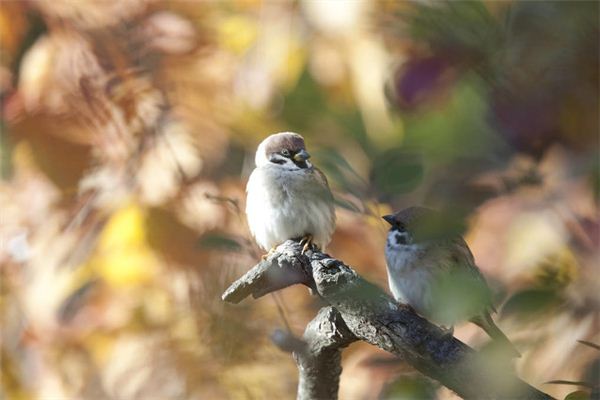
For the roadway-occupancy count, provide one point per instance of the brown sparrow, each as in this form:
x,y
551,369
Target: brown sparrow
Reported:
x,y
287,197
434,272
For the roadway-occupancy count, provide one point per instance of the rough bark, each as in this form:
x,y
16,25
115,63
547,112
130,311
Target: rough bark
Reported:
x,y
362,311
318,354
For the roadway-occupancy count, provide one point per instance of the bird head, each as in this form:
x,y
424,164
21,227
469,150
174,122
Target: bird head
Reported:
x,y
418,225
285,149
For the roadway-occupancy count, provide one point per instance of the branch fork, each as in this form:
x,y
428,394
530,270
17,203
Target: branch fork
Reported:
x,y
359,310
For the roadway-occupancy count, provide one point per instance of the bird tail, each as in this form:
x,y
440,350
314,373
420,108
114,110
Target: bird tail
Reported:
x,y
489,326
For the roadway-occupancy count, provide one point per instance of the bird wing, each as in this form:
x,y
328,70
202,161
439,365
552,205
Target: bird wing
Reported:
x,y
321,189
322,180
458,257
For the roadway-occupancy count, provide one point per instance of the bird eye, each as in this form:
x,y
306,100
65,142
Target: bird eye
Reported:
x,y
285,152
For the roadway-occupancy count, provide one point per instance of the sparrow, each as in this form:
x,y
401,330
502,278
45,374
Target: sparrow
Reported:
x,y
433,270
288,197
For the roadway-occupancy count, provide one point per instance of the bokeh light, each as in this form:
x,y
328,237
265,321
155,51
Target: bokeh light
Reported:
x,y
128,133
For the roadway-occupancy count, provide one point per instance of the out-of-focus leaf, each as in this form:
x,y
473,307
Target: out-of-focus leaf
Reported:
x,y
410,388
464,30
419,81
6,148
531,302
458,130
438,226
64,162
170,33
76,300
592,375
578,395
590,344
556,271
348,205
18,31
12,378
92,14
458,296
173,158
172,239
123,256
237,33
218,241
535,103
304,98
396,171
124,228
565,382
13,24
339,172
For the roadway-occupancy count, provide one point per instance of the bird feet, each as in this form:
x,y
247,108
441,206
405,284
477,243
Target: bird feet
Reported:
x,y
307,242
265,256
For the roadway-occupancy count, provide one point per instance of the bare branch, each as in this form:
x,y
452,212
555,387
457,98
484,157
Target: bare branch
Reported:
x,y
283,268
365,312
318,354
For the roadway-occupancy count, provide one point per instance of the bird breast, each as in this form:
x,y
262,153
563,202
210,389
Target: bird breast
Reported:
x,y
284,204
409,279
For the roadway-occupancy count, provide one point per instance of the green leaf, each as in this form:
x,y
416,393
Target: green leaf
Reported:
x,y
340,172
459,295
348,205
397,171
458,130
216,241
410,388
531,302
578,395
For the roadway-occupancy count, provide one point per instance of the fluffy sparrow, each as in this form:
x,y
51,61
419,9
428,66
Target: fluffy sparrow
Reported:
x,y
434,272
287,197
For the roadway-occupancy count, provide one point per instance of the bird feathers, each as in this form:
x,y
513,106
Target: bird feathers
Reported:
x,y
436,273
287,202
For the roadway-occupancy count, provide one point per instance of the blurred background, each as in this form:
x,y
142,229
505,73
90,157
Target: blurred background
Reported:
x,y
128,133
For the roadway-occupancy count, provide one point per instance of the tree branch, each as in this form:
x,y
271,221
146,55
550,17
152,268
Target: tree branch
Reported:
x,y
363,311
318,354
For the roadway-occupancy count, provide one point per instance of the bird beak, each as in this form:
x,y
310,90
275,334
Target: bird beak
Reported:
x,y
389,219
302,155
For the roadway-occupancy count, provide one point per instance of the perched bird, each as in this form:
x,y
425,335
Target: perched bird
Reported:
x,y
431,268
287,197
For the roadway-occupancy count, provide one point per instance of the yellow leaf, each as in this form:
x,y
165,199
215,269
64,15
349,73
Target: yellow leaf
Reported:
x,y
124,228
237,33
123,256
100,346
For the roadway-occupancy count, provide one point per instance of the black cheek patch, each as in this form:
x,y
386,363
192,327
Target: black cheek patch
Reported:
x,y
400,239
301,164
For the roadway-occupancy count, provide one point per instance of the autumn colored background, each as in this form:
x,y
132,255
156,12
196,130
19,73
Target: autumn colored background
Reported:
x,y
129,130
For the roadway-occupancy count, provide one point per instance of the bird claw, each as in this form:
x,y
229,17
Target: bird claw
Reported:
x,y
265,256
307,242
